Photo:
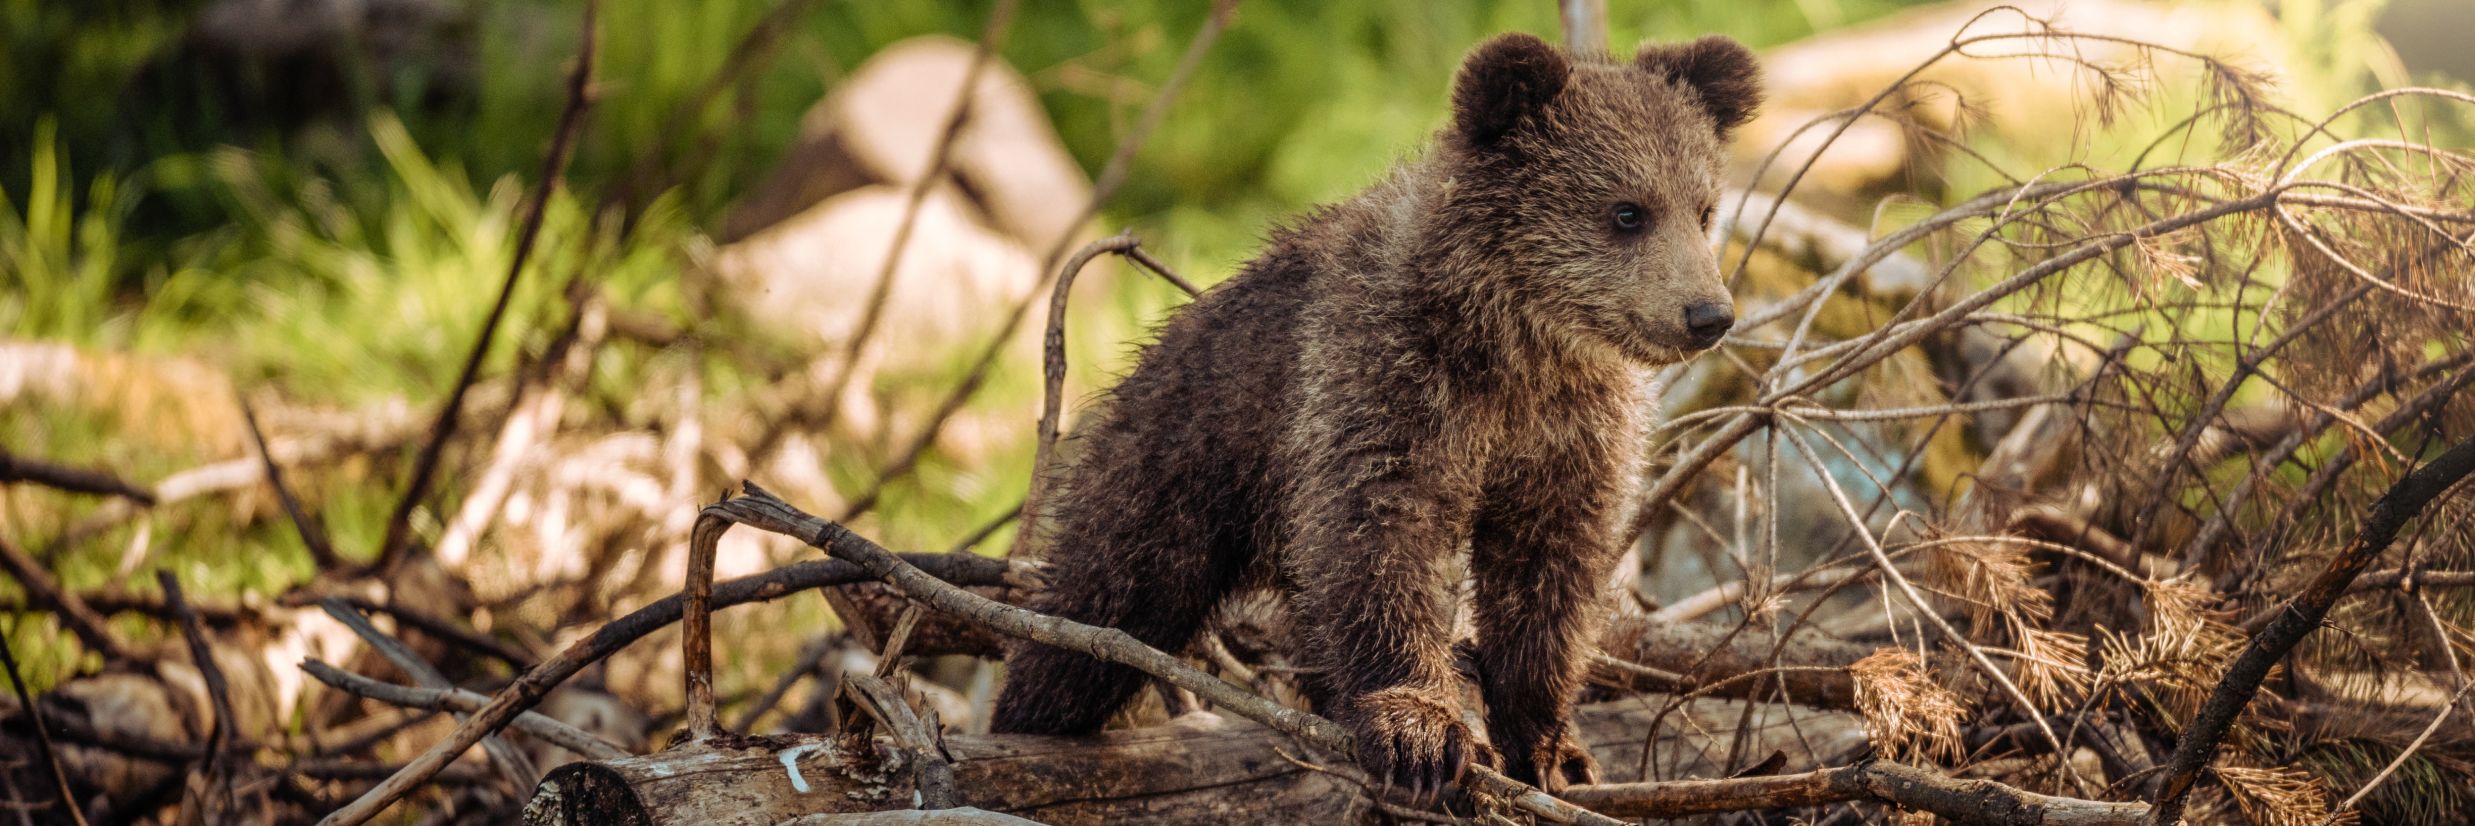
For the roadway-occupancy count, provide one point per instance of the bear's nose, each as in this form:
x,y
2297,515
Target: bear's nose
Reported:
x,y
1707,321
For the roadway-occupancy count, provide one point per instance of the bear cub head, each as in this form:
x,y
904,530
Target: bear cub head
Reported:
x,y
1584,189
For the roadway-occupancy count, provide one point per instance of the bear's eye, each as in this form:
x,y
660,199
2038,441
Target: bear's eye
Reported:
x,y
1707,212
1629,217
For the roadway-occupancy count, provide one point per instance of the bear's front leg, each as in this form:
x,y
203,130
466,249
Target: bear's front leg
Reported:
x,y
1539,601
1372,538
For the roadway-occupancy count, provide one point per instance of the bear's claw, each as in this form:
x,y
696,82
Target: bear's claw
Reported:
x,y
1413,740
1558,761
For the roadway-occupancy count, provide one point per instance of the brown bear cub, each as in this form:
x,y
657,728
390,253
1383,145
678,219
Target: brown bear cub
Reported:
x,y
1458,357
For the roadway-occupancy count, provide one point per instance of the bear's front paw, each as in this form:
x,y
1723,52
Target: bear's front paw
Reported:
x,y
1555,762
1412,739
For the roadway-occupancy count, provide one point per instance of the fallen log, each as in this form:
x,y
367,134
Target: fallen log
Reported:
x,y
1924,790
1197,769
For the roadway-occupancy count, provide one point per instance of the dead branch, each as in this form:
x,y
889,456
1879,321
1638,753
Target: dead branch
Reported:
x,y
537,682
42,734
1807,235
45,592
873,308
647,174
216,776
1194,771
931,773
2327,474
2300,616
2205,540
966,816
1053,370
363,433
1890,572
762,510
2134,472
1724,594
1882,345
532,418
511,764
548,728
313,535
1585,25
1806,668
15,468
846,363
811,658
553,169
407,616
2396,578
2057,525
696,630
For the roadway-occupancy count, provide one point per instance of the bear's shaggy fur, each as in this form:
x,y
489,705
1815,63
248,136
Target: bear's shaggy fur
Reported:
x,y
1456,358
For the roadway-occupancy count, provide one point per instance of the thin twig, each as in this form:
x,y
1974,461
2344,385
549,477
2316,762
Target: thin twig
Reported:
x,y
2326,475
647,174
408,617
512,764
1144,257
2335,812
553,169
1882,562
811,657
2205,539
218,736
1730,592
550,729
313,535
1053,374
532,418
1889,340
230,475
42,734
880,291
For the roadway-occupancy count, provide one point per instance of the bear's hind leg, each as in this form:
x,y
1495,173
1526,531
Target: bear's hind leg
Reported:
x,y
1158,587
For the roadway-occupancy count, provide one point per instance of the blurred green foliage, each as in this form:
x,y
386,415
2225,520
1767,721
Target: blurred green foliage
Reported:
x,y
1331,92
335,229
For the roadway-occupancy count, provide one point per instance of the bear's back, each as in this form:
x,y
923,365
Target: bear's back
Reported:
x,y
1191,433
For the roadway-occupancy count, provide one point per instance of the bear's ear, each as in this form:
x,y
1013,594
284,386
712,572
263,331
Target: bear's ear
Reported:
x,y
1504,82
1719,71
